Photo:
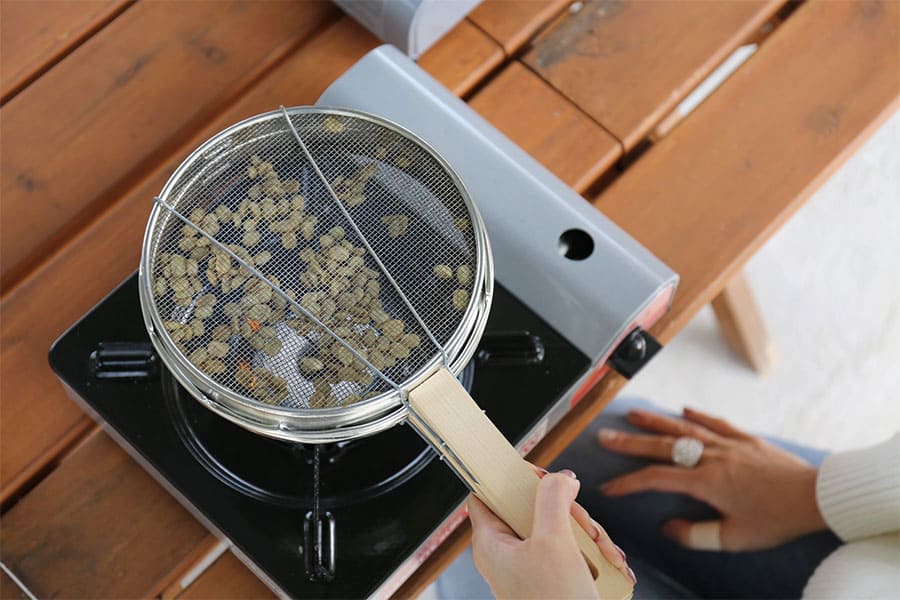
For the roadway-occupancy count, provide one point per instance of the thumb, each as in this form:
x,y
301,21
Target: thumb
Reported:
x,y
485,523
553,505
700,535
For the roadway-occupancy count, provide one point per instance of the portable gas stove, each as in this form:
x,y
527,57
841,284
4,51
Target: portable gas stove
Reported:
x,y
573,296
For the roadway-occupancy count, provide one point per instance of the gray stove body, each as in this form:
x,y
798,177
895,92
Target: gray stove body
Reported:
x,y
594,302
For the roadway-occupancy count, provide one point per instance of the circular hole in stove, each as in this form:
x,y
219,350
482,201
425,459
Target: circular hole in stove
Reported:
x,y
576,244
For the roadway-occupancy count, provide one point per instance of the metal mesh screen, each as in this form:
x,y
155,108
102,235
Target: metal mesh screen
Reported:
x,y
252,190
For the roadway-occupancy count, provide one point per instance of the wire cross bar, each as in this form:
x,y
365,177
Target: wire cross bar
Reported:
x,y
277,289
365,242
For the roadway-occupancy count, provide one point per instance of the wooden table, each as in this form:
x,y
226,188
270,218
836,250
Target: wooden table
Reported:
x,y
102,99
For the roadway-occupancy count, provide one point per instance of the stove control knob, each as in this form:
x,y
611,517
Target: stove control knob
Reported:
x,y
634,352
635,347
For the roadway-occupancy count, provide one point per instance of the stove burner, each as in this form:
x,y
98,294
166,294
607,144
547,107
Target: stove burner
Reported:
x,y
280,472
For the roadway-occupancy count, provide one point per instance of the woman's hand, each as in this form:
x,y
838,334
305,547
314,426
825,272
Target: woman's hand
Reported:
x,y
766,495
549,563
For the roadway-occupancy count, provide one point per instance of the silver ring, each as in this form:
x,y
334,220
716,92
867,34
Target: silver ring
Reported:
x,y
686,452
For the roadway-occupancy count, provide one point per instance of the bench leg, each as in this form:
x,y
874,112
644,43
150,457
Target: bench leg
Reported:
x,y
742,325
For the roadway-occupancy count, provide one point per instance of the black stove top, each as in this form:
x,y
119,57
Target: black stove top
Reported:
x,y
381,497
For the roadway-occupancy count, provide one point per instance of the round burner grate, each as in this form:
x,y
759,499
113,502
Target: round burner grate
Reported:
x,y
281,472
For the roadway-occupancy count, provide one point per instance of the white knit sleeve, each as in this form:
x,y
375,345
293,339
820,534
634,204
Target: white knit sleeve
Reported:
x,y
858,492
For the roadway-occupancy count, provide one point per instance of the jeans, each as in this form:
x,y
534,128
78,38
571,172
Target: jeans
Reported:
x,y
663,568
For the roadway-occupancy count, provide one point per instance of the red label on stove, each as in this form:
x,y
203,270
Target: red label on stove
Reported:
x,y
589,383
536,436
438,537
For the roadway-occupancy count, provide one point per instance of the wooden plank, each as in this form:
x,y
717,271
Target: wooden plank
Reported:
x,y
462,58
511,23
225,579
742,324
628,64
36,35
833,72
124,100
547,126
81,534
36,412
728,177
597,398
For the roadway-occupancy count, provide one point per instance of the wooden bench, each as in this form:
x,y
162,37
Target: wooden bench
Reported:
x,y
119,110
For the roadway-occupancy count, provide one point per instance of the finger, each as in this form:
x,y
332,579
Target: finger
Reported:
x,y
634,444
539,471
670,426
700,535
715,424
578,511
485,524
553,504
583,518
657,478
490,535
610,551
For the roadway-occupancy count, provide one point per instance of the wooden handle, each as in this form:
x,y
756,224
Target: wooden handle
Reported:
x,y
505,481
